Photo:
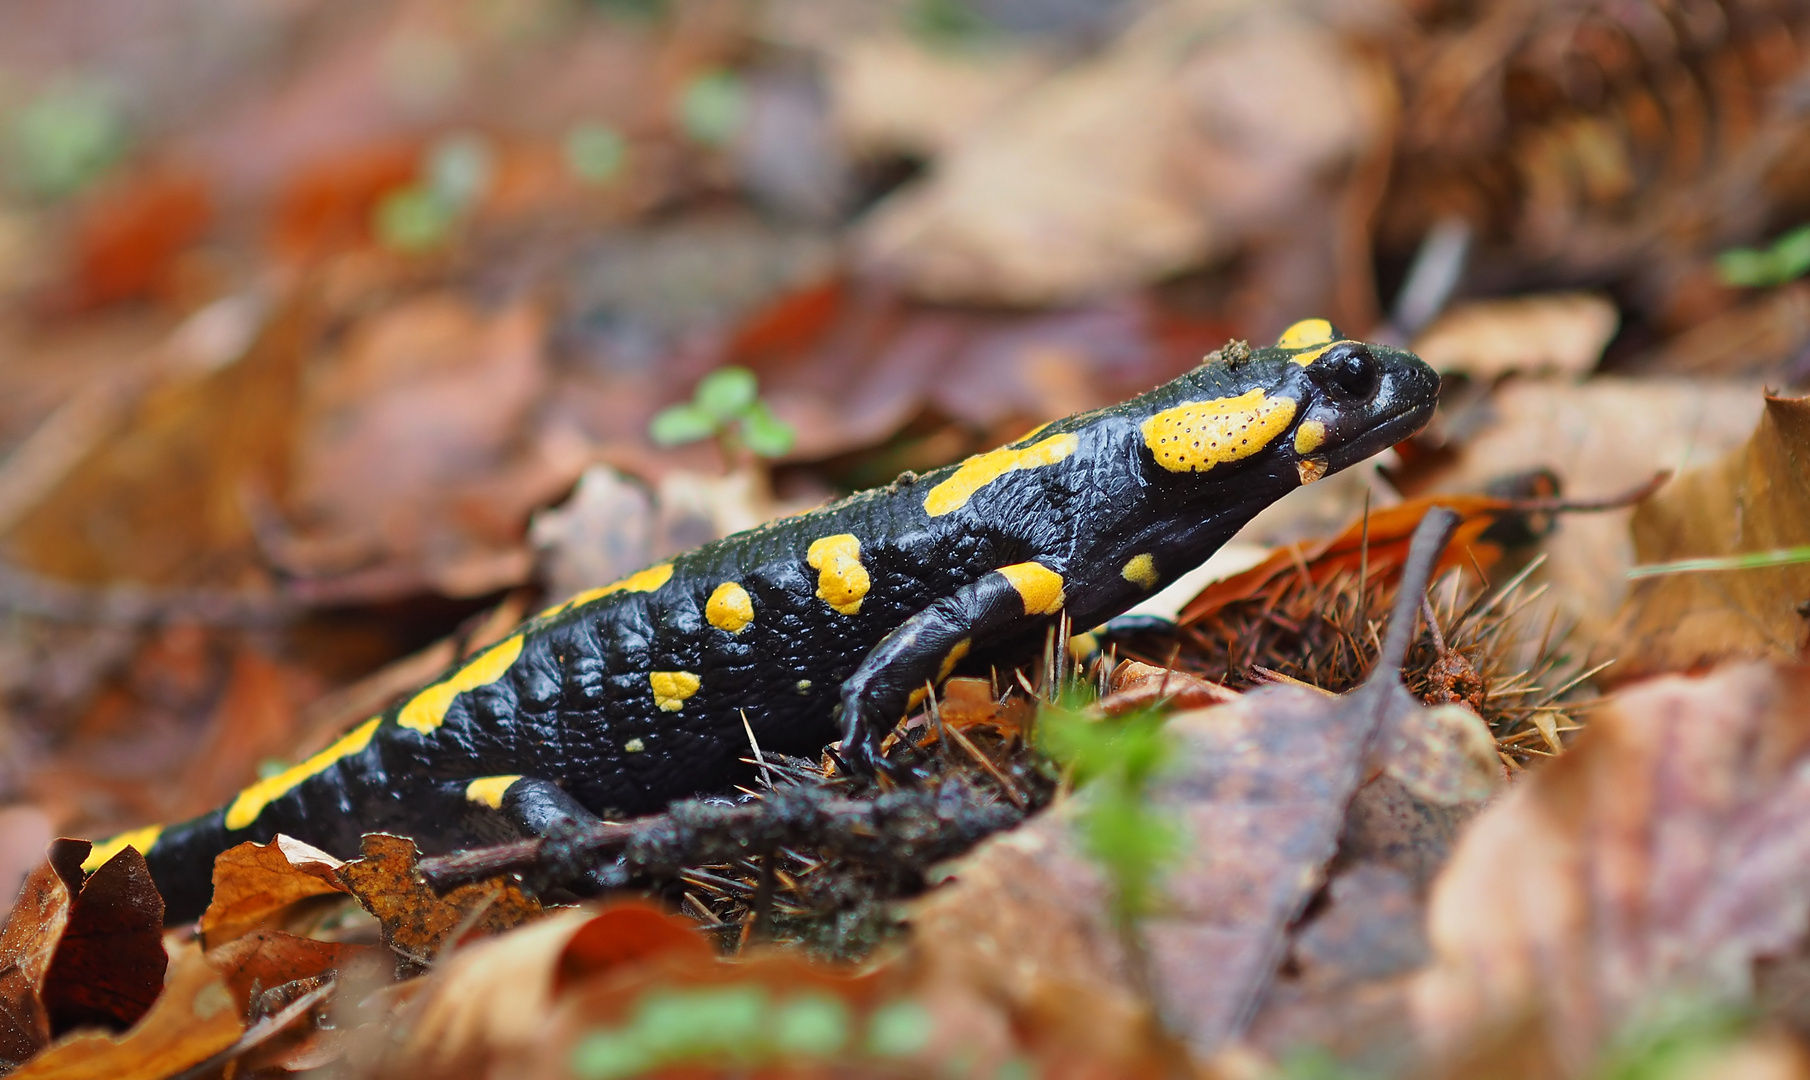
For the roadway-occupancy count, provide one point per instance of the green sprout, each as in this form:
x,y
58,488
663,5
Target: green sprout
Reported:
x,y
1118,760
1785,260
424,216
746,1025
725,406
595,153
947,23
712,106
63,140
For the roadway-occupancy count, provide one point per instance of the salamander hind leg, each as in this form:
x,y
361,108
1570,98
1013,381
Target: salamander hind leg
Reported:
x,y
927,646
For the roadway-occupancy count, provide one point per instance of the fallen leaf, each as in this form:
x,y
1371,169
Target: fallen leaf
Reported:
x,y
266,959
1487,339
417,924
1137,685
193,1020
894,95
1148,158
256,884
1661,856
127,243
1600,437
109,964
1756,499
27,944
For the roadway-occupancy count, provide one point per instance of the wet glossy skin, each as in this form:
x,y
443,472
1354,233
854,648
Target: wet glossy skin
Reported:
x,y
827,623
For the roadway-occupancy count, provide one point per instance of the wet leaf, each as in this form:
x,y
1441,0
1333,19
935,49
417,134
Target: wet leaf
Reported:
x,y
109,964
1754,500
417,924
27,944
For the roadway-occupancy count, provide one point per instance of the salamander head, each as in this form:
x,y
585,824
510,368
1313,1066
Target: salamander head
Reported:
x,y
1315,401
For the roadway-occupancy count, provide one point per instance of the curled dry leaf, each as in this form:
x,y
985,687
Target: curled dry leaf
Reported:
x,y
1754,500
193,1020
1663,855
256,884
416,923
26,946
1137,685
1486,339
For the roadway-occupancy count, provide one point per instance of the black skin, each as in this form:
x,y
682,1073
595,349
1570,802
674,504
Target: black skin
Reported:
x,y
574,714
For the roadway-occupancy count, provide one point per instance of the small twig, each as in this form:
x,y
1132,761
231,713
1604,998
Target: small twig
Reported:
x,y
765,776
1004,781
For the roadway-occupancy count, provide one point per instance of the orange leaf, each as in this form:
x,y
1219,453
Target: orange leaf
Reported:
x,y
255,884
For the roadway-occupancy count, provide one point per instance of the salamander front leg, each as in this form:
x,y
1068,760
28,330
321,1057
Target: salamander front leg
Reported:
x,y
541,808
929,645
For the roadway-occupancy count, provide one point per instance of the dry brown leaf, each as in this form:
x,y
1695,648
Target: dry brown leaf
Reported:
x,y
1157,154
895,95
1754,500
1601,437
1486,339
26,946
256,884
1664,854
417,923
267,959
193,1020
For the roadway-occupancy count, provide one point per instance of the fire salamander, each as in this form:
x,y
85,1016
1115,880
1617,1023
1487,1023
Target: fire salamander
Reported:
x,y
633,694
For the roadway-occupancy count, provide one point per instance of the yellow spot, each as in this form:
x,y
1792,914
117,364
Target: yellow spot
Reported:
x,y
956,653
917,698
1307,332
640,581
1309,436
804,686
488,790
729,608
1310,469
427,709
1082,646
142,839
1201,434
982,469
1040,587
1140,570
634,746
841,579
252,801
671,688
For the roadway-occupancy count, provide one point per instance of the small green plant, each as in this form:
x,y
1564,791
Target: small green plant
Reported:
x,y
1117,759
424,216
712,106
1785,259
64,139
1673,1039
747,1026
725,406
947,23
595,153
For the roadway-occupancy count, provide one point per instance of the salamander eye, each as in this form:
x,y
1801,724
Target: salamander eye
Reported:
x,y
1347,371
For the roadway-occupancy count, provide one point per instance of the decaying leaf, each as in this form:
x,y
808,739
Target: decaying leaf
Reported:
x,y
1662,856
417,923
26,946
1562,332
1754,500
254,884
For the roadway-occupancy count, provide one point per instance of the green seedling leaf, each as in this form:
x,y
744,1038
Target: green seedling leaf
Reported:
x,y
1751,560
681,424
413,220
595,153
765,434
1785,260
899,1029
812,1025
459,169
66,138
725,393
712,106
